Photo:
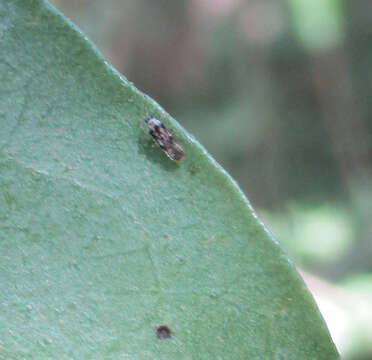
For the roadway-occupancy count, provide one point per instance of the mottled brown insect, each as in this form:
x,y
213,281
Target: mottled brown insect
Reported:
x,y
164,138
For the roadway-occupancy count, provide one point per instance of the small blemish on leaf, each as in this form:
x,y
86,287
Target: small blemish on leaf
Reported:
x,y
163,332
9,199
193,169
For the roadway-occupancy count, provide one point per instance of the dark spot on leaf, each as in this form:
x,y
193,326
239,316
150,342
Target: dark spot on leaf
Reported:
x,y
193,169
163,332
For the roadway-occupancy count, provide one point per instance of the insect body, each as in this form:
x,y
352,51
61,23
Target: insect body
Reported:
x,y
164,138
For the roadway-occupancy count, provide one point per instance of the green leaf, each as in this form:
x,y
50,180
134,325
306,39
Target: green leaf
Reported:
x,y
104,239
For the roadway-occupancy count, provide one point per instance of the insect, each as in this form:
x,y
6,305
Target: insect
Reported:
x,y
164,138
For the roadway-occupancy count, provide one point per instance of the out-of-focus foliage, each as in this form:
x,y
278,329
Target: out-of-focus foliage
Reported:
x,y
315,236
279,92
318,23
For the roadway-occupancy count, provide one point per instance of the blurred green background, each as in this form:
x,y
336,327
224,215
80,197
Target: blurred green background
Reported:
x,y
279,92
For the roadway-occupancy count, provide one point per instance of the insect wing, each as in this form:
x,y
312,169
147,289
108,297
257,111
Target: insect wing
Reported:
x,y
175,152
